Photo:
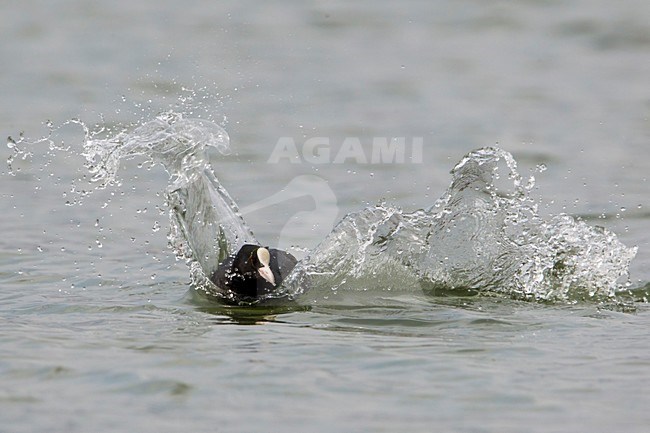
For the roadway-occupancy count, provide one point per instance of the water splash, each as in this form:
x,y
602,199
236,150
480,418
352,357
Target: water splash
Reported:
x,y
179,144
21,148
484,234
205,224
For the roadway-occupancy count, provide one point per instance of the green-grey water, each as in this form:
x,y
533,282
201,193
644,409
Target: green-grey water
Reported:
x,y
99,328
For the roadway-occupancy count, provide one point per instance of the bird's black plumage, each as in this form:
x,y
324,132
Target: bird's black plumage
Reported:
x,y
244,274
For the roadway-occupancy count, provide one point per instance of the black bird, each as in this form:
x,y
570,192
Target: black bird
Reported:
x,y
253,272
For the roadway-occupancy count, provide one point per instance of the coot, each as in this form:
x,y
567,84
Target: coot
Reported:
x,y
253,272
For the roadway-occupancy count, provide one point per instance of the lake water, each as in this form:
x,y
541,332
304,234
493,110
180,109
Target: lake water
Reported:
x,y
100,330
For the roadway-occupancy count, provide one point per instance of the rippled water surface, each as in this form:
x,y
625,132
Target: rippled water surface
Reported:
x,y
100,328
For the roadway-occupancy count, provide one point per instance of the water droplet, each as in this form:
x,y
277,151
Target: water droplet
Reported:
x,y
156,226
